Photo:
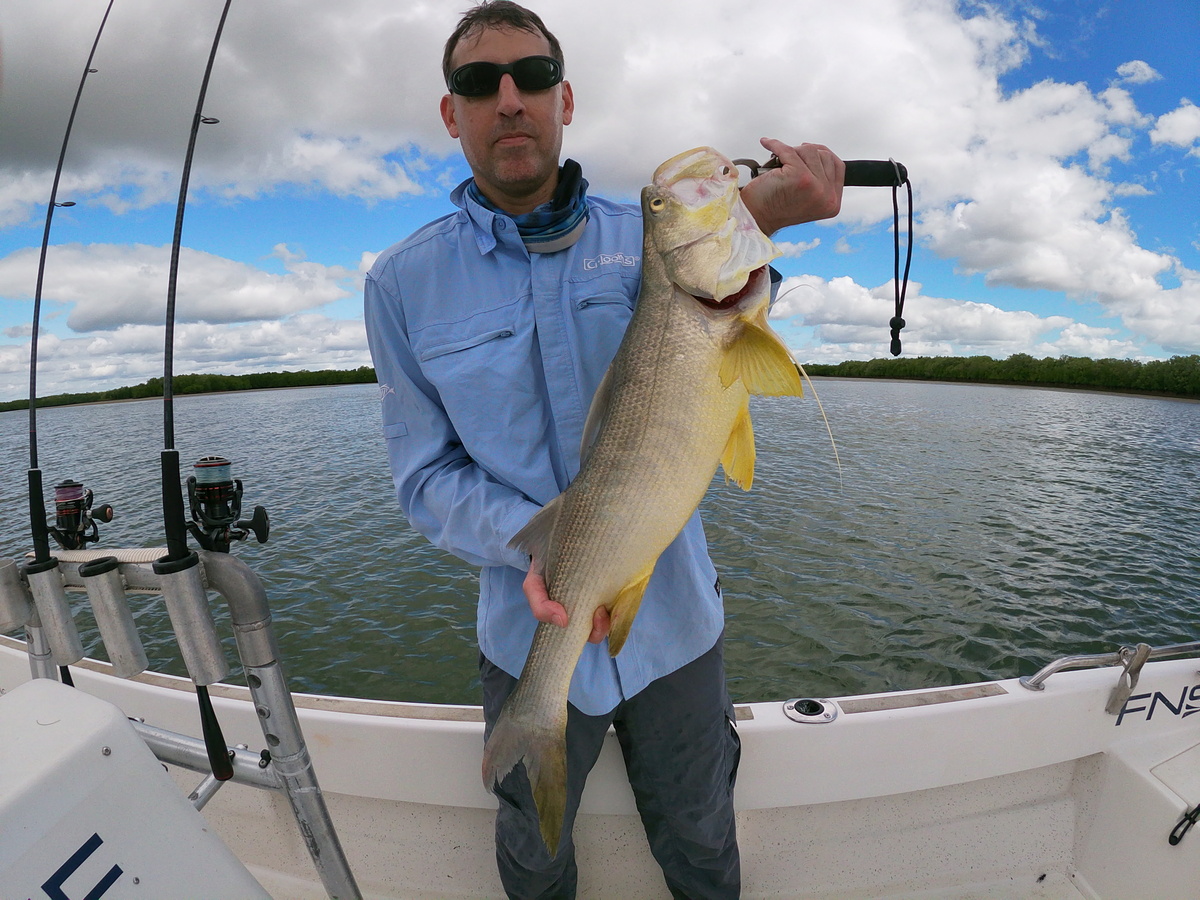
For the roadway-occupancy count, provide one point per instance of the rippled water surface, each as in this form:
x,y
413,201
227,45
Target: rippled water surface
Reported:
x,y
973,532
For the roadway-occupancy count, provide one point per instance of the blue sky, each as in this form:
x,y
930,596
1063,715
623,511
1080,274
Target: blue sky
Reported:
x,y
1054,149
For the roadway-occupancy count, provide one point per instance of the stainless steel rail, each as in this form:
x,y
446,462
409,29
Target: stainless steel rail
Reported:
x,y
1122,657
188,752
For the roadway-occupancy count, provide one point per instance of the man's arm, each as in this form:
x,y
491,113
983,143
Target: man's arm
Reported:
x,y
445,495
807,187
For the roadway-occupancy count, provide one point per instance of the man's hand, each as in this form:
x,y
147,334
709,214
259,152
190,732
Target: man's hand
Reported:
x,y
546,610
807,187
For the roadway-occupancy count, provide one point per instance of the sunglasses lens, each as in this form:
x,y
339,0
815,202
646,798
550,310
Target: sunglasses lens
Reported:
x,y
536,73
481,79
475,79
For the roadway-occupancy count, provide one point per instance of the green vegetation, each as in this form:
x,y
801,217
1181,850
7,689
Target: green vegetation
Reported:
x,y
206,384
1178,376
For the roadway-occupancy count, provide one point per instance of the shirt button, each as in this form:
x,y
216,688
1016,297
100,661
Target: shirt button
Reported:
x,y
501,224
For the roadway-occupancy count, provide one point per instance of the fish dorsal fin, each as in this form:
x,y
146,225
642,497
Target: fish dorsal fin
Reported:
x,y
759,358
596,415
624,608
738,458
534,538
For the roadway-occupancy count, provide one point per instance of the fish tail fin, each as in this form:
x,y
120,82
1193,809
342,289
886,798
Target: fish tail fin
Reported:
x,y
544,752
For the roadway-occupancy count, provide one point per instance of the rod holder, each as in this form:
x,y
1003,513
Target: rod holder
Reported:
x,y
191,618
40,663
106,592
15,601
50,599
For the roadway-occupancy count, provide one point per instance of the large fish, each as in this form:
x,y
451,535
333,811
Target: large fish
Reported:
x,y
673,405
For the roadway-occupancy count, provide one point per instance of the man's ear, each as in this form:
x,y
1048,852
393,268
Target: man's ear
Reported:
x,y
447,108
568,98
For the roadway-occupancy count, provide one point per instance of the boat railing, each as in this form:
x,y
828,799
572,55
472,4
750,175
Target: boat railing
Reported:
x,y
52,641
1131,660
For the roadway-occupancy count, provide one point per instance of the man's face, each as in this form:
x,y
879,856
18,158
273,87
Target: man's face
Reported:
x,y
512,138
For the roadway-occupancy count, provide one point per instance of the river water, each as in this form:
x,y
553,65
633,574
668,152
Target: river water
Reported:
x,y
969,532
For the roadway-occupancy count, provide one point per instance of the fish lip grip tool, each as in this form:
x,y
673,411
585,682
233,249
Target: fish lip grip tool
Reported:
x,y
871,173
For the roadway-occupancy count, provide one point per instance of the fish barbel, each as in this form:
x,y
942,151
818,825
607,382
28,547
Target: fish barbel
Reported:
x,y
673,406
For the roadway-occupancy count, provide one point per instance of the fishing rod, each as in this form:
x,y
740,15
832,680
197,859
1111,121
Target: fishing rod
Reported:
x,y
75,523
872,173
187,600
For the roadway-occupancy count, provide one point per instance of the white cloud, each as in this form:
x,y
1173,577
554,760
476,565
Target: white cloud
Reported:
x,y
329,95
1078,339
844,312
1180,127
849,321
797,248
133,354
107,286
1132,190
1137,71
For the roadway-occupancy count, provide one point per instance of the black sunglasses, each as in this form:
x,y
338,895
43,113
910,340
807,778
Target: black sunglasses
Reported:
x,y
481,79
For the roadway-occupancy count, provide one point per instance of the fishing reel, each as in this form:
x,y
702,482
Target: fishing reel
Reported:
x,y
74,519
215,498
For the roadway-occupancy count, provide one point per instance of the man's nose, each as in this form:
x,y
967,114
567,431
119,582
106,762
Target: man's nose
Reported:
x,y
508,100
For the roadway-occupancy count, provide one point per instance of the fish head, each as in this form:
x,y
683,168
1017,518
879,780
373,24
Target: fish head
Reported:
x,y
693,214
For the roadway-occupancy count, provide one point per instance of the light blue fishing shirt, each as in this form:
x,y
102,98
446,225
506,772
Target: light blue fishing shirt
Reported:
x,y
487,358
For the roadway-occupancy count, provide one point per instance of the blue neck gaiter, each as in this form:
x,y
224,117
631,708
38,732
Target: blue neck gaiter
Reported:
x,y
555,225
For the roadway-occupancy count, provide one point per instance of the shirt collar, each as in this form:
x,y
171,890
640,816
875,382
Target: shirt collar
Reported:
x,y
553,226
483,220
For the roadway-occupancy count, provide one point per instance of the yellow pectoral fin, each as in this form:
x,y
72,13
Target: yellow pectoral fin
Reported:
x,y
623,610
738,458
759,358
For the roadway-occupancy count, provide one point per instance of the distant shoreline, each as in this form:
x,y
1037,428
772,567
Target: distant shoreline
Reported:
x,y
187,385
1064,388
1177,378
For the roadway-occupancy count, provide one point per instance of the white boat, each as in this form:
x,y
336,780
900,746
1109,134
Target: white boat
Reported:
x,y
1022,788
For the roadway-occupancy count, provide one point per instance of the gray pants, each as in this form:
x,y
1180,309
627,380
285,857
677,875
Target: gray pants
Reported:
x,y
681,752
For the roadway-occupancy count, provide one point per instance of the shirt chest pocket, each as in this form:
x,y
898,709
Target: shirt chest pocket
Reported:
x,y
482,368
450,344
466,342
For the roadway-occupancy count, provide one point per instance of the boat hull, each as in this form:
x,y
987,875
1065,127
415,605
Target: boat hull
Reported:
x,y
986,790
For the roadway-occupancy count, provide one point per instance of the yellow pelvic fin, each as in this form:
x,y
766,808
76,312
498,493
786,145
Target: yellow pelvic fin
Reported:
x,y
739,455
624,608
759,358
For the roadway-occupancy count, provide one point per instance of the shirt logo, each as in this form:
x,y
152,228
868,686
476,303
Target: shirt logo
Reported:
x,y
385,389
610,259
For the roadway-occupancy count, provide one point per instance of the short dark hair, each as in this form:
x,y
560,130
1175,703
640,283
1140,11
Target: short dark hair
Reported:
x,y
498,14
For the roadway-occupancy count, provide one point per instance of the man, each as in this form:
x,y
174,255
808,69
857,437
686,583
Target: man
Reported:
x,y
490,330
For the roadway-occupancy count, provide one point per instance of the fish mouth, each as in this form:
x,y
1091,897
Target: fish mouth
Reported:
x,y
752,285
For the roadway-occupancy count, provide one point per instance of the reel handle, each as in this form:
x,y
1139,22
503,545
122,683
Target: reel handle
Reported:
x,y
259,523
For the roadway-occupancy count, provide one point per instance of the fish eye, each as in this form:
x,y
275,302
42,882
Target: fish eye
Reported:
x,y
657,204
724,170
